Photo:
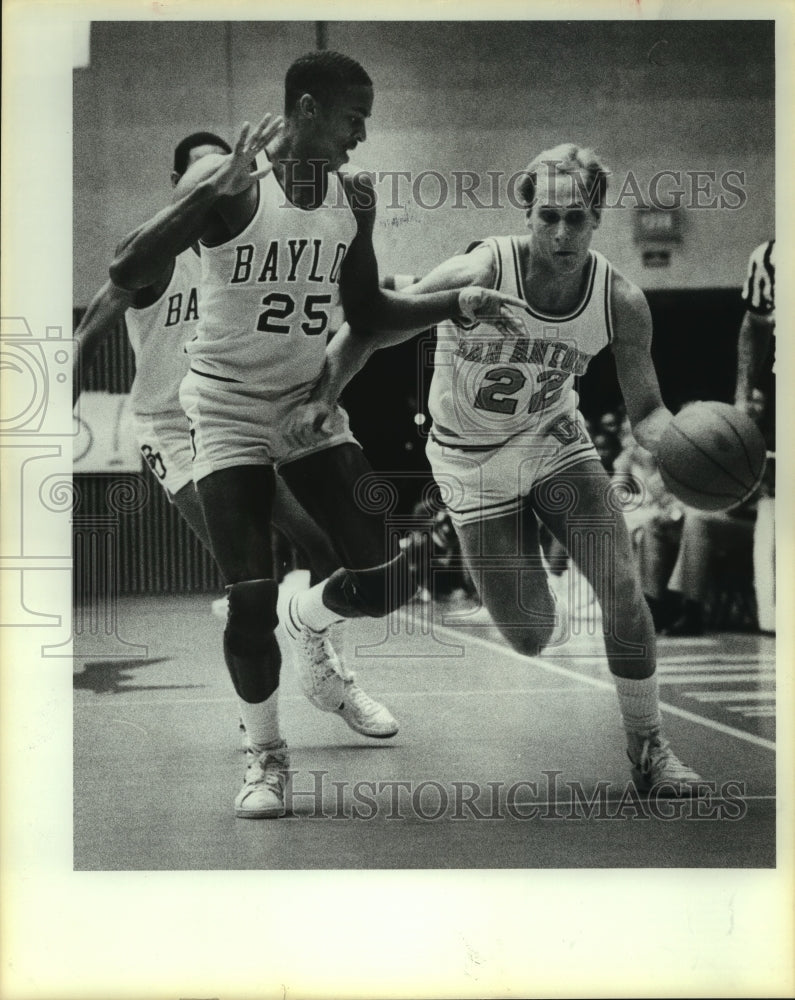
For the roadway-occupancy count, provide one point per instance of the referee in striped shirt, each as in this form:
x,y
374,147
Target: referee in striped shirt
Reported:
x,y
757,330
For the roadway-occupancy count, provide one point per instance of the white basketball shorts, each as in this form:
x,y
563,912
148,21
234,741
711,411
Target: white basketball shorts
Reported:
x,y
238,424
165,444
483,482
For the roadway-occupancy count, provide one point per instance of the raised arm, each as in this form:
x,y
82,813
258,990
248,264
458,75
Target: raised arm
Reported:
x,y
368,306
213,191
632,332
352,347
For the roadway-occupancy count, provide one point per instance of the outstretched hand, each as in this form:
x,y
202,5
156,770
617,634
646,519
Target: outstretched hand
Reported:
x,y
489,306
234,174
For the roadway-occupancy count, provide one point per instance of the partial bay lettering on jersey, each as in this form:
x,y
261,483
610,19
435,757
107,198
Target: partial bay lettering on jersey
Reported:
x,y
174,311
158,334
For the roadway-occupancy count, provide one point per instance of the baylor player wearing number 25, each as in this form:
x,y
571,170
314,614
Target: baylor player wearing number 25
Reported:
x,y
509,448
161,319
279,245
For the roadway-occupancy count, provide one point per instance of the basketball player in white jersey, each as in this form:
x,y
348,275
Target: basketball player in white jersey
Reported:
x,y
509,448
278,245
160,319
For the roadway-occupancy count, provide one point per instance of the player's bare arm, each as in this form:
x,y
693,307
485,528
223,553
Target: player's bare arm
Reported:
x,y
351,348
368,306
213,191
103,313
756,332
632,333
105,310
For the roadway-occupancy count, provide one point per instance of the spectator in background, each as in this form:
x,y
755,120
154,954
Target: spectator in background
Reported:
x,y
608,448
704,534
655,526
448,576
610,423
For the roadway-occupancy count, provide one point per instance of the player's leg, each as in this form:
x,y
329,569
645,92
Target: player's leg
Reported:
x,y
483,490
577,507
237,506
190,510
369,583
580,507
373,582
303,532
503,557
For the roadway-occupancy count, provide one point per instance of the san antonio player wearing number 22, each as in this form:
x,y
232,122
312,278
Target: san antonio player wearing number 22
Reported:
x,y
279,245
509,448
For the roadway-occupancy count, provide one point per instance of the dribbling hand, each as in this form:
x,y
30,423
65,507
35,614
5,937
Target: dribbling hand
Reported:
x,y
486,305
234,174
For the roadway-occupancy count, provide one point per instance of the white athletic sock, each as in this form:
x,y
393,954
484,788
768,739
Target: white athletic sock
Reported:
x,y
311,611
338,634
262,722
639,701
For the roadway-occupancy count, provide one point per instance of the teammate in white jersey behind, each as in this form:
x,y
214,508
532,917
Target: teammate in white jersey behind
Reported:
x,y
161,319
278,245
509,448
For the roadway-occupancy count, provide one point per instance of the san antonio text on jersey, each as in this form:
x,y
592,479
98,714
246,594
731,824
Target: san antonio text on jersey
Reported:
x,y
488,386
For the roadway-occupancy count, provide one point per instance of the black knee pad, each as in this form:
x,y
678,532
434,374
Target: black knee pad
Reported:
x,y
250,647
377,591
252,614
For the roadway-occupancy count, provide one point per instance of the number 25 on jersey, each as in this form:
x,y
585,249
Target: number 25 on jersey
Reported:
x,y
280,306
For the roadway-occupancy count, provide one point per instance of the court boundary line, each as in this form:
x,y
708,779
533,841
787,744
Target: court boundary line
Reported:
x,y
597,682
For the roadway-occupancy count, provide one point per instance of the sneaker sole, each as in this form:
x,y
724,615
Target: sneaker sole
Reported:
x,y
668,789
383,735
372,736
260,813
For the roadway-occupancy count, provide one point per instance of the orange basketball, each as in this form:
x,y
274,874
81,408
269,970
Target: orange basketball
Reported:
x,y
711,456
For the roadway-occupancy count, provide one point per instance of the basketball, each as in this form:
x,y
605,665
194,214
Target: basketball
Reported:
x,y
711,456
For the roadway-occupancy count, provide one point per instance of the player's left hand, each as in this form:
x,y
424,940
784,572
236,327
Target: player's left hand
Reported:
x,y
497,308
234,174
308,423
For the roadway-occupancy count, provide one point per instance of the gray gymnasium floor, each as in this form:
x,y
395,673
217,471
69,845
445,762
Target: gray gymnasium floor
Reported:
x,y
498,762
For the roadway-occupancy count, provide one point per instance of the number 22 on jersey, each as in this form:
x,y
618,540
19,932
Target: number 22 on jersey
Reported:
x,y
504,382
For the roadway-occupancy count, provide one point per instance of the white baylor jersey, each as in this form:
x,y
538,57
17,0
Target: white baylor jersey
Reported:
x,y
488,386
267,294
158,334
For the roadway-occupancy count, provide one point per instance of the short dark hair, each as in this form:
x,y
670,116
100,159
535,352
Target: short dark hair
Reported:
x,y
323,74
183,148
568,159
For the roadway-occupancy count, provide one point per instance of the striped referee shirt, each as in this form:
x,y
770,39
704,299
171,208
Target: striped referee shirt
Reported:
x,y
760,283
